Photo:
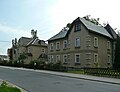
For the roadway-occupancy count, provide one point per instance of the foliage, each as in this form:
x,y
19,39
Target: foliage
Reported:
x,y
22,57
93,20
5,88
117,54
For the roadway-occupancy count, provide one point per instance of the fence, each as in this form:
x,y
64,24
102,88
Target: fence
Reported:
x,y
115,73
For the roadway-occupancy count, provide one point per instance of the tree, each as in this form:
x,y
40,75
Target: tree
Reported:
x,y
116,63
22,57
93,20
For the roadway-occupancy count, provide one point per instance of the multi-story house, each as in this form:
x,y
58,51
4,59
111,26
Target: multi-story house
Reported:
x,y
33,48
83,45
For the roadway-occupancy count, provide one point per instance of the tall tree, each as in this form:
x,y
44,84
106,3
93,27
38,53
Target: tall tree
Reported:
x,y
117,54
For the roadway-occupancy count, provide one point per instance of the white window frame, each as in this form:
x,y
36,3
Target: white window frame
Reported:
x,y
77,54
57,45
95,41
51,58
64,44
108,58
51,46
77,27
95,57
108,45
65,58
57,58
77,42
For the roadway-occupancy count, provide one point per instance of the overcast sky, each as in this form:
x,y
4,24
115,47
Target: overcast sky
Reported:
x,y
48,17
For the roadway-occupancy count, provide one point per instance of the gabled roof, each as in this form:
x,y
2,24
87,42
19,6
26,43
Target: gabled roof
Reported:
x,y
111,31
61,34
95,28
90,26
24,41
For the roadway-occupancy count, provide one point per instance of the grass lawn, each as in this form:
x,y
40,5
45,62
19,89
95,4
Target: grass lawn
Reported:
x,y
5,88
9,89
76,71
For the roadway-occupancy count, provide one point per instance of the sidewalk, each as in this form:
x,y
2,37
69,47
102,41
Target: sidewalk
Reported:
x,y
70,75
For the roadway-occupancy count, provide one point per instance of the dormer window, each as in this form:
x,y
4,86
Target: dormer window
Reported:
x,y
77,27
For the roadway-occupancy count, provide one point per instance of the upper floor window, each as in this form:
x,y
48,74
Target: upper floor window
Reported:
x,y
95,41
77,27
77,42
77,58
95,58
29,50
64,44
108,44
51,46
57,45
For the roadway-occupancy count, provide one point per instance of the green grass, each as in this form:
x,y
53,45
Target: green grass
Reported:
x,y
9,89
76,71
5,88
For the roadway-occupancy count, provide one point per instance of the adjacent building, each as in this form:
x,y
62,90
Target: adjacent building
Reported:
x,y
31,48
84,44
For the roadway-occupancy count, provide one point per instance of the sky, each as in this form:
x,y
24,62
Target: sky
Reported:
x,y
48,17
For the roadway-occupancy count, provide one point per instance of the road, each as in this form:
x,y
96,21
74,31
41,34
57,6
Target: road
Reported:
x,y
34,81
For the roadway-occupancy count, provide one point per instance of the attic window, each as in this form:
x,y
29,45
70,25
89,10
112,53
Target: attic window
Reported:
x,y
77,27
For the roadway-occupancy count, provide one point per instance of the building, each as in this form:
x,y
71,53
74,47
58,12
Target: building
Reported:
x,y
29,48
83,45
3,58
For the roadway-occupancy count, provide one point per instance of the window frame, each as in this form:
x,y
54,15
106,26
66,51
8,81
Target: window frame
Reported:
x,y
108,45
76,42
57,45
57,58
76,58
51,46
96,42
64,44
95,54
77,27
65,55
108,58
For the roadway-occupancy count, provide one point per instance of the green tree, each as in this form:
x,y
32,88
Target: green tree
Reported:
x,y
116,63
93,20
22,57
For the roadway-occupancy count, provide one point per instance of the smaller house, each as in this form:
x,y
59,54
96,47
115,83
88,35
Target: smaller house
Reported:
x,y
3,58
29,48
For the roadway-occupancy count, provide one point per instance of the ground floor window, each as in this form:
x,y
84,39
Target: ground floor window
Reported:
x,y
65,58
77,58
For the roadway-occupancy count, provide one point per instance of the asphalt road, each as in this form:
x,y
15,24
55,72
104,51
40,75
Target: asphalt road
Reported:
x,y
42,82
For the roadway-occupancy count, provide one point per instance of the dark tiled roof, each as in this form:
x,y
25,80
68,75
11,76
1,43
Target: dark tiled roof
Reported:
x,y
90,26
61,34
95,28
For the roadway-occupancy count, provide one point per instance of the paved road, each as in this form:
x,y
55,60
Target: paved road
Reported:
x,y
42,82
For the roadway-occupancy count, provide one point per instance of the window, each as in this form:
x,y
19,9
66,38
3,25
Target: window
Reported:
x,y
77,58
57,58
51,58
43,50
29,50
64,44
95,58
77,42
77,27
57,45
108,44
95,42
51,46
109,58
65,58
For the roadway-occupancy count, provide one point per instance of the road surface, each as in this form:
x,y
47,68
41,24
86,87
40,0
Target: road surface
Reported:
x,y
33,81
